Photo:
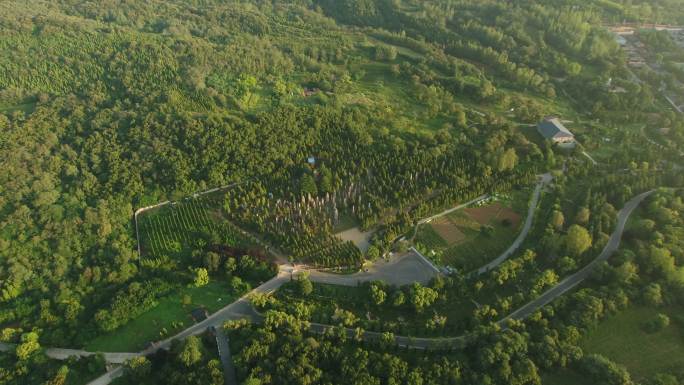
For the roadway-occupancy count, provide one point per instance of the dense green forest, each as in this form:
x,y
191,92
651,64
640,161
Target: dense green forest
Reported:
x,y
378,111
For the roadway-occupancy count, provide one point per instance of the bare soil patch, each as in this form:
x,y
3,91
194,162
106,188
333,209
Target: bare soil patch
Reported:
x,y
449,232
483,215
359,238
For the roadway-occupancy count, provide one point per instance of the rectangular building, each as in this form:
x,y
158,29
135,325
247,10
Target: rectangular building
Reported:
x,y
552,129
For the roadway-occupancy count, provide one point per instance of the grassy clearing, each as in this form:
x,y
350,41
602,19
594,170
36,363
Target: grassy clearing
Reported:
x,y
170,315
622,338
563,377
479,247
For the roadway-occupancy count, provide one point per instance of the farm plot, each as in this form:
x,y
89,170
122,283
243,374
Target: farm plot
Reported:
x,y
180,227
450,233
428,239
489,231
167,229
470,237
486,214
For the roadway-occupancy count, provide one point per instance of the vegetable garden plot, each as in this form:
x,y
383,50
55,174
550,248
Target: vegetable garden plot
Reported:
x,y
449,232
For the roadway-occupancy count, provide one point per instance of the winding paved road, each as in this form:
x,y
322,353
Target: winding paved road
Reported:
x,y
243,309
546,178
239,309
561,288
570,282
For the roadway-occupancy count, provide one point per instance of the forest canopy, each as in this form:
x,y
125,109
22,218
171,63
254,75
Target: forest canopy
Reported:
x,y
312,112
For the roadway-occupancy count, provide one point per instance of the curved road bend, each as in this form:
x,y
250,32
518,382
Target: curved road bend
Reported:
x,y
243,309
570,282
545,179
563,287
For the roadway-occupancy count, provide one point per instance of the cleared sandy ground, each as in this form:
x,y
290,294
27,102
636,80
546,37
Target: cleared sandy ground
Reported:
x,y
357,237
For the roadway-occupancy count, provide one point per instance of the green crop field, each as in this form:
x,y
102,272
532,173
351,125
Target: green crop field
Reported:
x,y
429,238
165,229
480,247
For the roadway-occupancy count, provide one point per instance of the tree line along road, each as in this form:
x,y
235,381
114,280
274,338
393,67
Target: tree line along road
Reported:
x,y
243,309
449,343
